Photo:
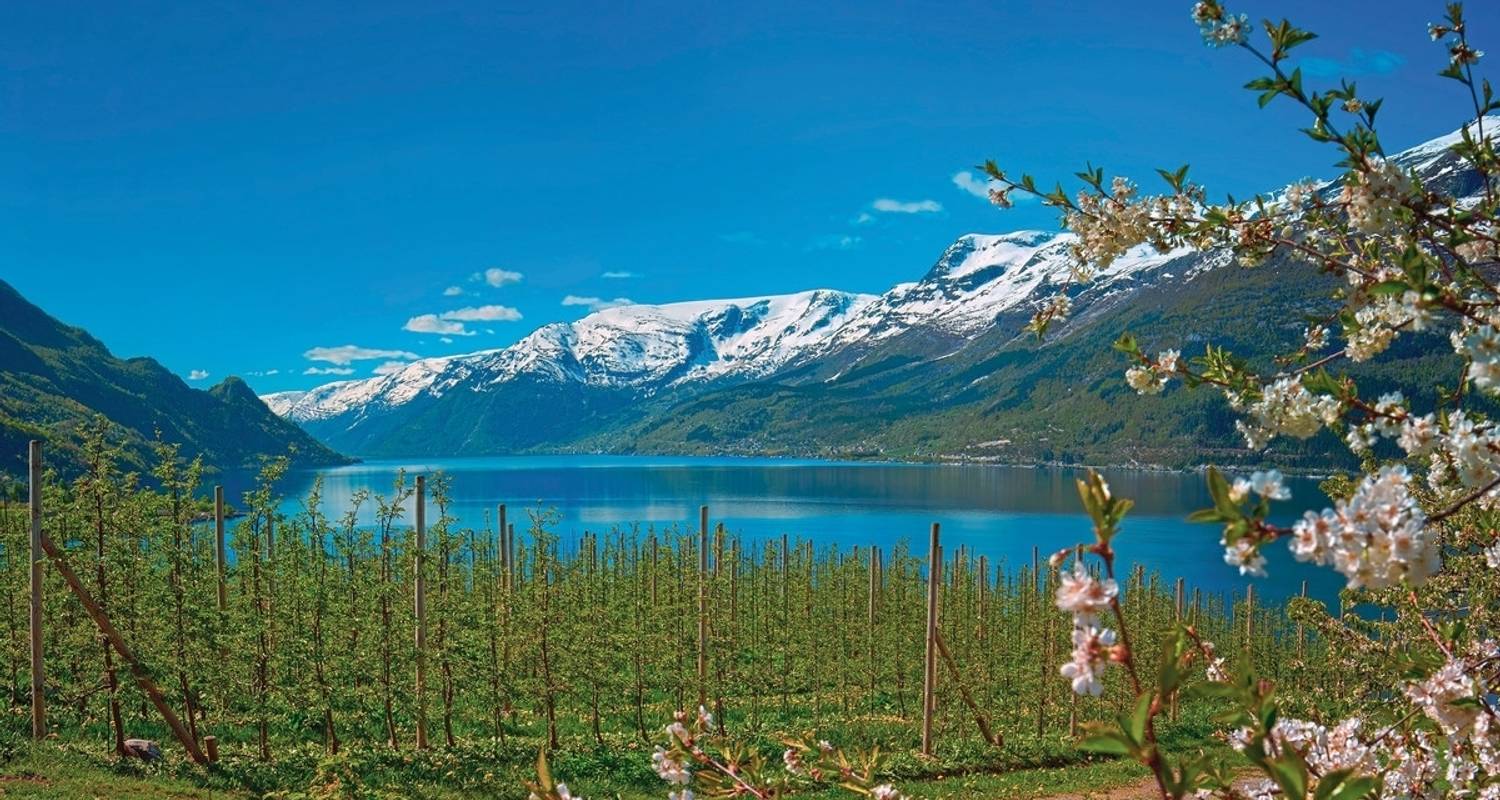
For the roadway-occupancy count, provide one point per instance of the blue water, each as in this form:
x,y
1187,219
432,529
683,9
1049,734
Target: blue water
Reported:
x,y
1001,512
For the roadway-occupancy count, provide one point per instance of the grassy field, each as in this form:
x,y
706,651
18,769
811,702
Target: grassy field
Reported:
x,y
50,772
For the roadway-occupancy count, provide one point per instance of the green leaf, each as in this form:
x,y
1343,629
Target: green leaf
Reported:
x,y
1135,724
1290,773
1107,742
1206,515
1328,783
1355,788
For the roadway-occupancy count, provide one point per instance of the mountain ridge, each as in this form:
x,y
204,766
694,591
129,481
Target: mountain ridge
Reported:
x,y
939,367
57,379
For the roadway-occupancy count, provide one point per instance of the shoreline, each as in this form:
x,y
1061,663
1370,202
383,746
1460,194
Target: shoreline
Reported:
x,y
849,460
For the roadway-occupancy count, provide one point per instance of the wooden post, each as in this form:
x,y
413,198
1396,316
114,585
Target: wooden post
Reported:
x,y
220,556
870,630
703,606
211,745
271,571
1250,619
983,578
137,669
929,662
510,542
963,691
1179,608
38,670
419,590
504,551
1301,630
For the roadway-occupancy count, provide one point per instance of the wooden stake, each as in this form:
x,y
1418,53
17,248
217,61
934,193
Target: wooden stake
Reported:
x,y
929,663
1301,630
504,550
38,670
870,629
510,544
137,669
220,556
1250,618
211,744
703,606
419,582
963,691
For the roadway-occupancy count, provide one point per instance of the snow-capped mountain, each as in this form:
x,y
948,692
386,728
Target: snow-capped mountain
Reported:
x,y
674,375
610,360
644,348
979,278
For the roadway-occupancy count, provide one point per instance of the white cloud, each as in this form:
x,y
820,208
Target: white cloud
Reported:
x,y
886,205
837,241
966,181
453,291
261,373
489,313
328,371
389,367
497,277
432,323
197,374
864,218
595,303
445,340
345,354
451,323
619,274
980,186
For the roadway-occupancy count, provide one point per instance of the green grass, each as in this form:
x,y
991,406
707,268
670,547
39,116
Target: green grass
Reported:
x,y
52,772
48,772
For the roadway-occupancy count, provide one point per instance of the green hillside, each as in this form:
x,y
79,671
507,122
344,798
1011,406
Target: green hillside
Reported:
x,y
55,379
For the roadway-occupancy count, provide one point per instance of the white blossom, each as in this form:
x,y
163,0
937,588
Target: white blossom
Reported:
x,y
1084,596
1287,407
670,767
1091,646
1268,484
1372,195
1245,555
1376,539
1144,380
1481,345
1418,434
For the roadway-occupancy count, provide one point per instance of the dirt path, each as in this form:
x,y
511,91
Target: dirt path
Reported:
x,y
1144,789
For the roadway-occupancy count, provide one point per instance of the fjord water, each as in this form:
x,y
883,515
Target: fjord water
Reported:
x,y
1001,512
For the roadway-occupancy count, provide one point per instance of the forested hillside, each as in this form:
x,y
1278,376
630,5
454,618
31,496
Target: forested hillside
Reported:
x,y
56,379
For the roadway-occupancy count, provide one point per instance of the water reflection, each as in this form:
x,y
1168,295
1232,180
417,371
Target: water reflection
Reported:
x,y
1001,512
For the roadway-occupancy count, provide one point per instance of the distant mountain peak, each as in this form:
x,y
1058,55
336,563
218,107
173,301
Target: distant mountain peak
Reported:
x,y
603,367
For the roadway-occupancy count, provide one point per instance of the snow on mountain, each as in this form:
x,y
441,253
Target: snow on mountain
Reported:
x,y
979,277
651,348
645,347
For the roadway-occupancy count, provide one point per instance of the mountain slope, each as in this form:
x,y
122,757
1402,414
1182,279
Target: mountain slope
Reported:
x,y
564,381
936,368
56,379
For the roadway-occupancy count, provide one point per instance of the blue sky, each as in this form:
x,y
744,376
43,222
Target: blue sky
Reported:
x,y
231,188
